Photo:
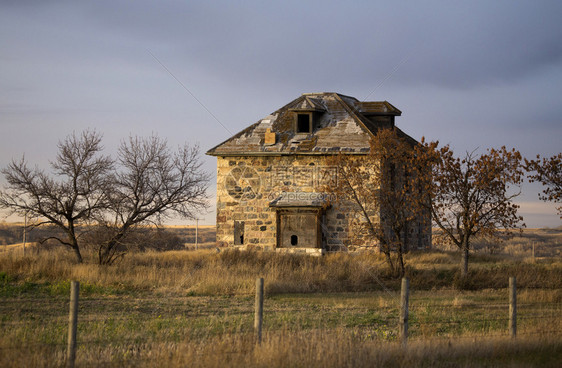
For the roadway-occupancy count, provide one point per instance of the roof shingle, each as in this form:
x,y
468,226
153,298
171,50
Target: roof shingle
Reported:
x,y
341,124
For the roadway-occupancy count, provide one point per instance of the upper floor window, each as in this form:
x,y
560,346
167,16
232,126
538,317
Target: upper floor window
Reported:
x,y
304,123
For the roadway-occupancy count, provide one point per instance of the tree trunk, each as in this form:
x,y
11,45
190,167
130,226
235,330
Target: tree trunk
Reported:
x,y
402,269
464,261
389,261
77,253
71,235
74,244
105,256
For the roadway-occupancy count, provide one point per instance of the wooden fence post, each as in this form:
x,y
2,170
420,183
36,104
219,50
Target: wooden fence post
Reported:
x,y
72,324
258,318
404,299
512,307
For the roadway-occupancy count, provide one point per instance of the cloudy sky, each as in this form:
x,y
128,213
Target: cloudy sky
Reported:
x,y
474,74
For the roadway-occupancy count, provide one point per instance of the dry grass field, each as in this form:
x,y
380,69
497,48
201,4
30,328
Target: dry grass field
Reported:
x,y
196,308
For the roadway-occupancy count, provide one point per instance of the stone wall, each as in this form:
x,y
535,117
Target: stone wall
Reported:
x,y
247,184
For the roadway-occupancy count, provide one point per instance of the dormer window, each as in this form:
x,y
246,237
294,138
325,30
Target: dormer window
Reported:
x,y
304,122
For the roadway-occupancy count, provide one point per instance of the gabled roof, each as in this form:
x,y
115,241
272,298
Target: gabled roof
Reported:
x,y
341,124
308,104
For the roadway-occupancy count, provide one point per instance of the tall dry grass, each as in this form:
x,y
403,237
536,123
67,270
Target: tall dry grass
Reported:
x,y
203,272
165,326
234,272
345,349
323,349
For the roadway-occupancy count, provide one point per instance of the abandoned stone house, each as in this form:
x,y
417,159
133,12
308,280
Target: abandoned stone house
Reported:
x,y
270,175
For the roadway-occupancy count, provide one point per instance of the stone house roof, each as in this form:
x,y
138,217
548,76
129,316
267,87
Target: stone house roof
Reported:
x,y
336,123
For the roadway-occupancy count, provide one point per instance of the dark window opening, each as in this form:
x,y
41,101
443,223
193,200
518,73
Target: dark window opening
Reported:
x,y
238,232
294,240
303,123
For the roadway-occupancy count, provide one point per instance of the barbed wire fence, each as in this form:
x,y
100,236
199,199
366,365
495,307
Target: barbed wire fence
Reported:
x,y
403,318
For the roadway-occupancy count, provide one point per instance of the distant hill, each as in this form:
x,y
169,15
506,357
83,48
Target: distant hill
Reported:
x,y
167,237
547,242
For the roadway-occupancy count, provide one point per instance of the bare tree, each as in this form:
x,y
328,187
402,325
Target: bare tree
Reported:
x,y
548,172
69,196
384,190
472,195
151,183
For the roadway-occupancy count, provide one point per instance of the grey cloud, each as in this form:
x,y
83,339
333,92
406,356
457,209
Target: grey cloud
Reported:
x,y
460,45
470,73
457,45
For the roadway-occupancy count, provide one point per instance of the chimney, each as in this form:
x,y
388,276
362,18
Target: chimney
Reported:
x,y
269,137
